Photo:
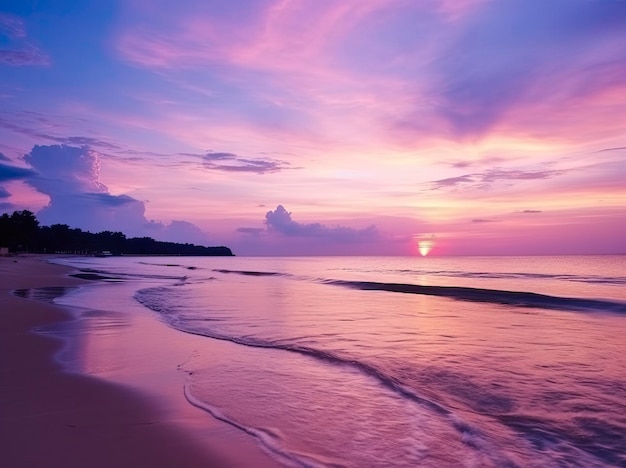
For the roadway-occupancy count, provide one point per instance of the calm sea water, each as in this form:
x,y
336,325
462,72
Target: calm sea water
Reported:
x,y
475,361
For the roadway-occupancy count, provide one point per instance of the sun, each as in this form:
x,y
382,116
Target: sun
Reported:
x,y
425,243
425,246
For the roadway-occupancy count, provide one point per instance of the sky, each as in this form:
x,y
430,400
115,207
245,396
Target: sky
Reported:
x,y
321,127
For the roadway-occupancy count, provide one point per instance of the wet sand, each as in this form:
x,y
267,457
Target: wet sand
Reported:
x,y
49,417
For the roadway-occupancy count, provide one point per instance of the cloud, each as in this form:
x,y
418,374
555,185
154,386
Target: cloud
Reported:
x,y
484,180
9,172
4,193
12,26
106,199
531,211
65,170
70,177
453,181
280,221
496,63
25,123
255,232
229,162
29,55
184,232
85,141
482,220
606,150
491,72
20,51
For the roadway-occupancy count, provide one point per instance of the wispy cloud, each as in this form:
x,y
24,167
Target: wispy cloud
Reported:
x,y
10,172
606,150
49,129
484,180
229,162
12,26
29,55
20,51
255,232
487,79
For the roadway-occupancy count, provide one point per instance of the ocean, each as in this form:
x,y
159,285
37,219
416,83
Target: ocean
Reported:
x,y
384,361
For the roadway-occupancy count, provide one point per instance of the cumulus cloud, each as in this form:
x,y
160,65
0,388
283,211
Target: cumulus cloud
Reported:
x,y
280,221
229,162
184,232
70,177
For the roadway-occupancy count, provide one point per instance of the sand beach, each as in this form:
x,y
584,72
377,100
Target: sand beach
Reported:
x,y
50,417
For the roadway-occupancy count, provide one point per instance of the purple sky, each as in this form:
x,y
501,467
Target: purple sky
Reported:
x,y
310,127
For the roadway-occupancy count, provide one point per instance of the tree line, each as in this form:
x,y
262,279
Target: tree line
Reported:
x,y
21,232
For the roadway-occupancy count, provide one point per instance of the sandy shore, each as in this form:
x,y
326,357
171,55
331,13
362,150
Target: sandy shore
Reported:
x,y
51,418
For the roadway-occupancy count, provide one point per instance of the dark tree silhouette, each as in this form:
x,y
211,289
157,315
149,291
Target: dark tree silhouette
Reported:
x,y
21,232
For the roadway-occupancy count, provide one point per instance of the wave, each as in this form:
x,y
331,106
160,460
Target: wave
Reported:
x,y
92,273
471,436
617,280
251,273
589,279
268,440
148,299
496,296
462,293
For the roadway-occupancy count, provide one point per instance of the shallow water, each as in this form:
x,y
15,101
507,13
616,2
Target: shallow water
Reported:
x,y
489,361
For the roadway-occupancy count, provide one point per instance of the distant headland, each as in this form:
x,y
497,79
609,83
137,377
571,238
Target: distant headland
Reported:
x,y
21,232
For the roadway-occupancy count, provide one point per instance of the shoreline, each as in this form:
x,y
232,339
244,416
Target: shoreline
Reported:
x,y
51,417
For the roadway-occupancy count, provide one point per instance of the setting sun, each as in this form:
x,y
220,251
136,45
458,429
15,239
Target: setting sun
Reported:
x,y
425,246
